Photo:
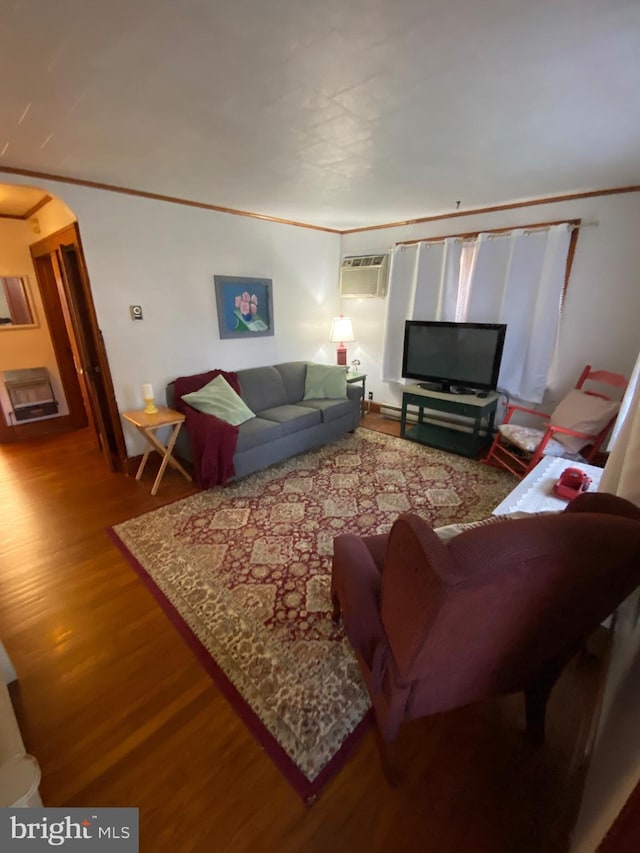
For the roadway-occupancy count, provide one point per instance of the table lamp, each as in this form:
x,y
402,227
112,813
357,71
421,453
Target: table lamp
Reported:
x,y
341,331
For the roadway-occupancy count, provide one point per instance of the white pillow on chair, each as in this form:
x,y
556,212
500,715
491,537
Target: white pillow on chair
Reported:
x,y
584,413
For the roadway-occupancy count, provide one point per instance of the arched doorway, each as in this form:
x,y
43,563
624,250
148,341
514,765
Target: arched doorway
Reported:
x,y
69,319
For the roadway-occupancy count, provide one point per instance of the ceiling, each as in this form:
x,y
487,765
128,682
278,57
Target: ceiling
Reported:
x,y
18,202
338,113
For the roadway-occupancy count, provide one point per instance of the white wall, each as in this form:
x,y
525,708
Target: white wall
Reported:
x,y
54,216
31,347
163,257
600,319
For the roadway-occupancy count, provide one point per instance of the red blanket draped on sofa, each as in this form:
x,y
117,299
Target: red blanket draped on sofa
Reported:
x,y
213,441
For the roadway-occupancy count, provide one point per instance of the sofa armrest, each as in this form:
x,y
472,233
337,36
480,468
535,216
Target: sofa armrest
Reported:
x,y
355,393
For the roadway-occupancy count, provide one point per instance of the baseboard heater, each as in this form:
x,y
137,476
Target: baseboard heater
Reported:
x,y
30,393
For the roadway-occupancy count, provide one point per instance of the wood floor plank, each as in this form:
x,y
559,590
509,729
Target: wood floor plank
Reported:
x,y
119,712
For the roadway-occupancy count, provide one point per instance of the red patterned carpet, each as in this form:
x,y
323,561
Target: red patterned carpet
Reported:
x,y
244,573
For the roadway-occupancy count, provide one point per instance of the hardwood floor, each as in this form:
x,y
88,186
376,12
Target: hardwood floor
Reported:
x,y
119,713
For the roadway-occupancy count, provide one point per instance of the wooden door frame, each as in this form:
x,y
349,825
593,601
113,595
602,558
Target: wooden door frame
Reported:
x,y
109,407
60,339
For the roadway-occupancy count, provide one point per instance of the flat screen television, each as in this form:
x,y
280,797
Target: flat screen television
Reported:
x,y
453,357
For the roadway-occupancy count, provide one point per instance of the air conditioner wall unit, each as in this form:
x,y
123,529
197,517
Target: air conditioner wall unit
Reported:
x,y
364,276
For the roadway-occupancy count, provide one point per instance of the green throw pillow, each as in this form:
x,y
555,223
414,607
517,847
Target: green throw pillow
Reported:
x,y
325,381
218,398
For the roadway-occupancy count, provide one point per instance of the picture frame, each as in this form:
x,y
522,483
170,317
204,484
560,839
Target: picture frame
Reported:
x,y
245,306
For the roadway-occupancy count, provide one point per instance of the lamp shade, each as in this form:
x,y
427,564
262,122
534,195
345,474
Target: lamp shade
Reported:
x,y
341,330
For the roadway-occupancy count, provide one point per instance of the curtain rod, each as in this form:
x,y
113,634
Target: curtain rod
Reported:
x,y
574,225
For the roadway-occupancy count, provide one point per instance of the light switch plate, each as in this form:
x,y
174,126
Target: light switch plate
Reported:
x,y
136,312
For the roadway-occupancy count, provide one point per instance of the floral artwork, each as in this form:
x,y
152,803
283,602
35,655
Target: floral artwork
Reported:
x,y
245,306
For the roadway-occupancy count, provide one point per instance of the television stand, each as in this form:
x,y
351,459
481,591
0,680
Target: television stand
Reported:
x,y
459,423
458,389
445,388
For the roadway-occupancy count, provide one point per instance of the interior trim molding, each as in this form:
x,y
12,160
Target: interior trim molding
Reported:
x,y
29,213
36,207
96,185
552,199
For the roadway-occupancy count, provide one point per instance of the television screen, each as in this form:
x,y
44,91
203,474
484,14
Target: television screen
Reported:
x,y
456,356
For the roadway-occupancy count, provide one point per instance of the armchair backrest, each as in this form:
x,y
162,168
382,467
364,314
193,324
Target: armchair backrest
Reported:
x,y
486,613
602,377
413,588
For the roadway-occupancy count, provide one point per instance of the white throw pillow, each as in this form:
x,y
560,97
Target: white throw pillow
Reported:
x,y
325,382
218,398
584,413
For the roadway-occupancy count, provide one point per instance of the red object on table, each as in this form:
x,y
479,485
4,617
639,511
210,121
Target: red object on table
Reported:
x,y
572,482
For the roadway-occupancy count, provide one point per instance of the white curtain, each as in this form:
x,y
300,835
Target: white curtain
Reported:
x,y
515,278
621,475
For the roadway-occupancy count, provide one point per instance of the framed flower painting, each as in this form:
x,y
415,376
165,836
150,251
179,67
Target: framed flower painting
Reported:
x,y
245,306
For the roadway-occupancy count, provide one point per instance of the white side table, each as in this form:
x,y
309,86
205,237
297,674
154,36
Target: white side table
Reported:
x,y
534,493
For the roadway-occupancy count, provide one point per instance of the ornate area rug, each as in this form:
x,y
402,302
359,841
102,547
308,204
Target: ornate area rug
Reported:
x,y
244,572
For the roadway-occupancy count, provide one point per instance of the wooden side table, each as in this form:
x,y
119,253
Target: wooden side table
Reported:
x,y
147,426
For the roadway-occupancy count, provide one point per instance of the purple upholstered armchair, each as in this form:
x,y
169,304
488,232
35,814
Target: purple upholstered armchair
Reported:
x,y
499,609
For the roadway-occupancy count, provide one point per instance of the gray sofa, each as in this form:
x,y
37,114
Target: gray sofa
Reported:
x,y
285,424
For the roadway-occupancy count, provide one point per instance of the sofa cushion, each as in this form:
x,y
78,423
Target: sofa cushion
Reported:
x,y
293,375
292,418
262,388
257,431
325,381
331,410
218,398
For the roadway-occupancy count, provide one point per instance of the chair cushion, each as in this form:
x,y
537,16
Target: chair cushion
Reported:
x,y
584,413
218,398
528,438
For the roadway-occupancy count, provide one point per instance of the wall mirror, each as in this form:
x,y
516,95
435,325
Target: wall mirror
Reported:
x,y
16,306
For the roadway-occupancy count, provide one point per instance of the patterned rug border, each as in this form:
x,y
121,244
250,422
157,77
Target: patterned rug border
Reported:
x,y
307,791
436,506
